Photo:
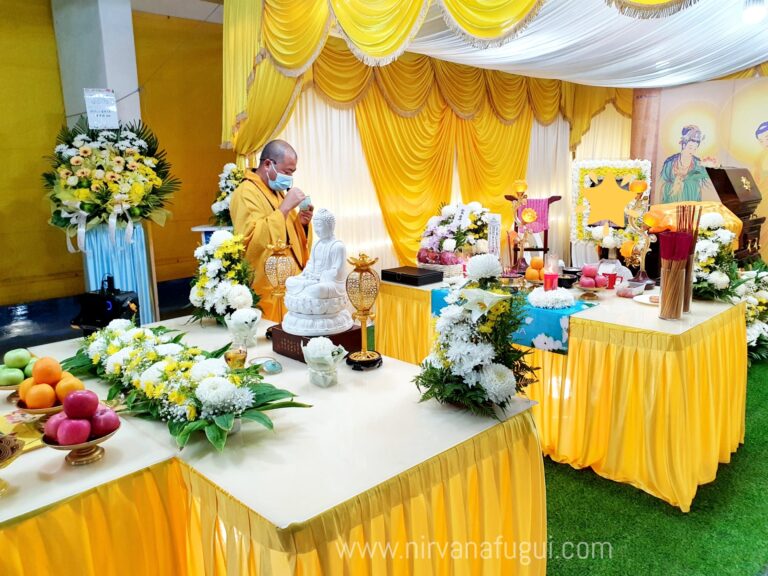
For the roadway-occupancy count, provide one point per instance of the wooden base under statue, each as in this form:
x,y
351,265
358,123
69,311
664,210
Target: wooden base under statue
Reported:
x,y
289,345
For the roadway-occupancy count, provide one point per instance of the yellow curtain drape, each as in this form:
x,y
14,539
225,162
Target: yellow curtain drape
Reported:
x,y
759,70
271,100
340,77
406,83
487,489
294,32
411,164
580,103
378,31
650,8
489,22
241,48
491,156
136,525
656,410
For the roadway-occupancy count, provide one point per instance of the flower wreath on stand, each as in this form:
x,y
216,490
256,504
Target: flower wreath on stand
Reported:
x,y
116,177
229,179
714,267
156,376
473,363
223,281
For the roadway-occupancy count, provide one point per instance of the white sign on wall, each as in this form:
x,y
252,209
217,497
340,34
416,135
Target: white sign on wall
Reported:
x,y
101,106
494,234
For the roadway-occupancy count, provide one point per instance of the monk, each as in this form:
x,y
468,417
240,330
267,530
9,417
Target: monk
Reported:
x,y
263,212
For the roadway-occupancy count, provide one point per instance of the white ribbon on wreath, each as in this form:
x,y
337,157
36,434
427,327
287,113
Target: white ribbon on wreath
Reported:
x,y
77,221
120,207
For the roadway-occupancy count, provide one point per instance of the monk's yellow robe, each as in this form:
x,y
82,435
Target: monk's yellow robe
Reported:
x,y
255,214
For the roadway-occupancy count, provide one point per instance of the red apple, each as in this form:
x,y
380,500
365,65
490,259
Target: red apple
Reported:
x,y
73,431
601,281
81,404
587,282
422,255
589,270
104,421
52,425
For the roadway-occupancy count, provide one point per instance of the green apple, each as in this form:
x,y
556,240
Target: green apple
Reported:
x,y
11,377
17,358
28,369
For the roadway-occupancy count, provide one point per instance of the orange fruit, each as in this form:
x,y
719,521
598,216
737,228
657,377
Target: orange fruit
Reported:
x,y
531,274
46,371
541,274
24,386
40,396
536,262
66,386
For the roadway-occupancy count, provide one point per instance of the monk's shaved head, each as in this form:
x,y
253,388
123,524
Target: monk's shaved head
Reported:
x,y
277,150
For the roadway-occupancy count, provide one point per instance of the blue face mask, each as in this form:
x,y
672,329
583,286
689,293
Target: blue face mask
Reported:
x,y
281,182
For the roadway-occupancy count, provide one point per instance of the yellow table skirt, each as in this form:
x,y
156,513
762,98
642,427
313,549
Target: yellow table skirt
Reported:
x,y
404,323
478,508
137,525
653,410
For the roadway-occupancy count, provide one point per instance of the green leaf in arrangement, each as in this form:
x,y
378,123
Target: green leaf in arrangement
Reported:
x,y
257,416
225,421
218,353
189,427
278,405
216,436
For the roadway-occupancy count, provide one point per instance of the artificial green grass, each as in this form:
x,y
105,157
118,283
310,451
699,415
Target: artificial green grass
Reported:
x,y
726,531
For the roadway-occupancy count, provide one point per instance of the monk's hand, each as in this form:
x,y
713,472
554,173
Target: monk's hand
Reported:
x,y
305,216
293,198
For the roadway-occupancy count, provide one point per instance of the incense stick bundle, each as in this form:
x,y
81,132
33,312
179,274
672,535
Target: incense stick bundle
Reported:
x,y
675,247
692,227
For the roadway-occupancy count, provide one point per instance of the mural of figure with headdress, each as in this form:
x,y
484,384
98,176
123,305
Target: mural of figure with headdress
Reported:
x,y
760,170
683,174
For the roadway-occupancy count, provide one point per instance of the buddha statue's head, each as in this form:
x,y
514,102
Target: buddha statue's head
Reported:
x,y
324,223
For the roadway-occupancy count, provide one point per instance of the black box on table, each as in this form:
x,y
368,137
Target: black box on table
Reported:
x,y
412,276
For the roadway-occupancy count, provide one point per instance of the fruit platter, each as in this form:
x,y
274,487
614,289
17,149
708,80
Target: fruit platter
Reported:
x,y
45,390
81,427
17,365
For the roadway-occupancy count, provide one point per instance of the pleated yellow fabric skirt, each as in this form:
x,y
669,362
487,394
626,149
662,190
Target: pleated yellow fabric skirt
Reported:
x,y
404,323
654,410
478,508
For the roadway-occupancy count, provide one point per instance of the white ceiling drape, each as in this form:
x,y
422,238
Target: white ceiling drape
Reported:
x,y
589,42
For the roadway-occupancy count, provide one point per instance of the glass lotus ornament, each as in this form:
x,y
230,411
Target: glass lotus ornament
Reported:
x,y
278,268
362,290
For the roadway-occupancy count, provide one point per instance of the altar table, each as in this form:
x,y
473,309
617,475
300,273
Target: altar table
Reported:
x,y
367,481
657,404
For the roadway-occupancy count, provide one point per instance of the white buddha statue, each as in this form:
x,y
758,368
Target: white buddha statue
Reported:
x,y
316,298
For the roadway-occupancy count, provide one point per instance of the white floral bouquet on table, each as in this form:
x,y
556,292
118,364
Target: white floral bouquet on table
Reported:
x,y
714,267
223,281
551,299
473,363
607,237
458,227
753,289
158,377
116,177
322,357
229,179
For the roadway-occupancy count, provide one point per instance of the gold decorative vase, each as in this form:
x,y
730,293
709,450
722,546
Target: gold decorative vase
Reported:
x,y
278,267
362,289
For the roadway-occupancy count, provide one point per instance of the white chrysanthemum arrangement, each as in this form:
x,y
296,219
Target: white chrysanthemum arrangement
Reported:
x,y
162,378
551,299
229,179
473,363
752,289
714,268
223,281
458,226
